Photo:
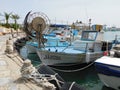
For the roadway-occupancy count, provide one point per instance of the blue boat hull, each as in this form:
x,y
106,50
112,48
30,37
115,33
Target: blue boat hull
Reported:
x,y
109,74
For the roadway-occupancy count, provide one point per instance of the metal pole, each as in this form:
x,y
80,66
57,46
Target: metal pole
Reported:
x,y
86,47
39,34
89,24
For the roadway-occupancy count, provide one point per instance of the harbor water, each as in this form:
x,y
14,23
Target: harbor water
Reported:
x,y
87,78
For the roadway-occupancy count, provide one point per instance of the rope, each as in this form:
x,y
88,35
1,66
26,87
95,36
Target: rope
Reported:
x,y
71,85
57,81
80,69
65,49
37,76
51,77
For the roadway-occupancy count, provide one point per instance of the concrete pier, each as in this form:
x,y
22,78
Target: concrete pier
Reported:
x,y
10,76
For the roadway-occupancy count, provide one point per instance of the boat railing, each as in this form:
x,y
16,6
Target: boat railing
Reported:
x,y
117,39
56,43
65,48
93,46
84,46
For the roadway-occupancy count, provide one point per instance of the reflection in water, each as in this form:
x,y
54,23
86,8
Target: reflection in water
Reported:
x,y
106,88
87,78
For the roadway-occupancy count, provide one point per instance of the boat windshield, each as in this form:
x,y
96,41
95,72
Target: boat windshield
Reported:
x,y
89,35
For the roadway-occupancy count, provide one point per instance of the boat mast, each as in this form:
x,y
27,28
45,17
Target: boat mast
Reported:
x,y
89,24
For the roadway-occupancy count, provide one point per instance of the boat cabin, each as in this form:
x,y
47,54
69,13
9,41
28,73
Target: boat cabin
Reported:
x,y
91,41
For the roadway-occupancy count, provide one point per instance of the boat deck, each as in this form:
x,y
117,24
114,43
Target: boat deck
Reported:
x,y
113,61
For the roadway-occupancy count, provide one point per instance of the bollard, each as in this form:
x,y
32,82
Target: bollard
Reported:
x,y
29,72
9,46
27,69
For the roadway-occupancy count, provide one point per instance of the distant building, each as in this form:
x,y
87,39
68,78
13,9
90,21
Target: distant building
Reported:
x,y
112,29
79,25
97,27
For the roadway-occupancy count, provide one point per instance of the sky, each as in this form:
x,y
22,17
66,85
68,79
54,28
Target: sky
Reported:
x,y
67,11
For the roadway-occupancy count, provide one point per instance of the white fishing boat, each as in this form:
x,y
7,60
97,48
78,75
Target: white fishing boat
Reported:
x,y
36,27
50,42
55,38
108,69
86,50
31,46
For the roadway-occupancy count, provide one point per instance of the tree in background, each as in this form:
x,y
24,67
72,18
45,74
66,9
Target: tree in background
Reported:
x,y
0,19
15,17
7,17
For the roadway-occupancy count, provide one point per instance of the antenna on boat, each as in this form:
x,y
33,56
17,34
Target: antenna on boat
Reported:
x,y
89,22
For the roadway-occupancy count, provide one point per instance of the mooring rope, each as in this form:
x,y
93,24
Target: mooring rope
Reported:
x,y
51,77
80,69
71,85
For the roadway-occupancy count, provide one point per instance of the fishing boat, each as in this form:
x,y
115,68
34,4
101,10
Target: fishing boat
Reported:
x,y
86,50
51,40
108,69
36,27
31,47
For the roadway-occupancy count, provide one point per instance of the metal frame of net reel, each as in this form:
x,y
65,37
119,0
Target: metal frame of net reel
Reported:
x,y
39,18
36,22
35,25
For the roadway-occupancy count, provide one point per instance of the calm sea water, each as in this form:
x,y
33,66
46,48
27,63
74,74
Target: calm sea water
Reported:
x,y
87,78
110,35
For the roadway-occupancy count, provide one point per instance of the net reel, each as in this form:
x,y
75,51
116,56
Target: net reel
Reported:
x,y
36,24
